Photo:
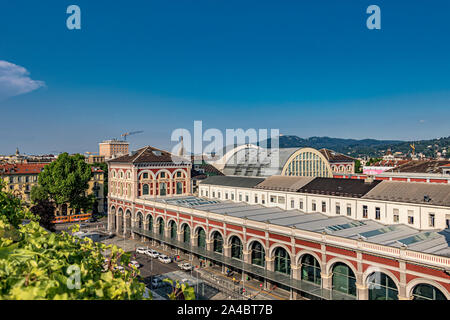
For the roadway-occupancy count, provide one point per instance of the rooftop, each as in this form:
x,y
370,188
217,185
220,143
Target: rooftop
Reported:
x,y
232,181
339,187
411,192
434,242
150,154
284,183
421,166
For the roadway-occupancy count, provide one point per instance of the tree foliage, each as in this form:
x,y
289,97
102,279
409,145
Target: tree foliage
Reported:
x,y
180,291
65,180
37,264
45,210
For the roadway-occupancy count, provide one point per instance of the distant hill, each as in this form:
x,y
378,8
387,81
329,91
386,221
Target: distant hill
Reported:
x,y
366,147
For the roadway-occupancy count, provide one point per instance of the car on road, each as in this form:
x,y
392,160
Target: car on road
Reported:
x,y
186,266
84,225
141,250
120,268
134,263
152,253
164,259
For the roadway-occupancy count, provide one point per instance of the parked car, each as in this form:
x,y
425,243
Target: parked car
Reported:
x,y
152,253
120,268
93,220
164,259
84,225
141,250
186,266
134,263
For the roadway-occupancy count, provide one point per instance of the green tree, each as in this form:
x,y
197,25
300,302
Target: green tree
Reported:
x,y
45,210
37,264
358,167
65,180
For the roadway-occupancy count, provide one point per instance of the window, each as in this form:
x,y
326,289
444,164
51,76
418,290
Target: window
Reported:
x,y
246,198
201,192
301,205
349,210
162,189
232,196
431,219
338,208
218,195
179,174
396,215
281,200
226,196
256,199
206,192
273,199
162,175
365,211
447,223
410,218
145,175
377,213
240,196
324,206
292,204
214,194
179,188
263,200
314,206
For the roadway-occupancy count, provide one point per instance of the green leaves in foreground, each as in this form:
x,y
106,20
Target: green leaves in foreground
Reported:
x,y
37,264
180,291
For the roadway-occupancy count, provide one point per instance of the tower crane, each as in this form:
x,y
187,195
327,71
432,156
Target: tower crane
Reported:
x,y
130,134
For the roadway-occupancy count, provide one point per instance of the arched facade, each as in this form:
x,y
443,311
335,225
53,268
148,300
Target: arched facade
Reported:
x,y
257,253
307,162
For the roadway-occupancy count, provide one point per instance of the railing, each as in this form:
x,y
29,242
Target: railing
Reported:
x,y
396,253
301,285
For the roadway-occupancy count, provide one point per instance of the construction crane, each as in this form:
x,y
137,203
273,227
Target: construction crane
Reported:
x,y
129,134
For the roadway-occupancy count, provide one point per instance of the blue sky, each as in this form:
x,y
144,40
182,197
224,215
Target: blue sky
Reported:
x,y
309,68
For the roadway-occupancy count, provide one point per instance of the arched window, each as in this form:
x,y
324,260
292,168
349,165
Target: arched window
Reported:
x,y
140,220
162,188
186,233
258,254
150,223
145,189
161,226
381,287
173,230
217,242
236,248
282,261
179,187
344,279
310,270
201,240
426,291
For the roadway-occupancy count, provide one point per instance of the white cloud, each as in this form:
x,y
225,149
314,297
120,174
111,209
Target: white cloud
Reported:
x,y
421,121
15,80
